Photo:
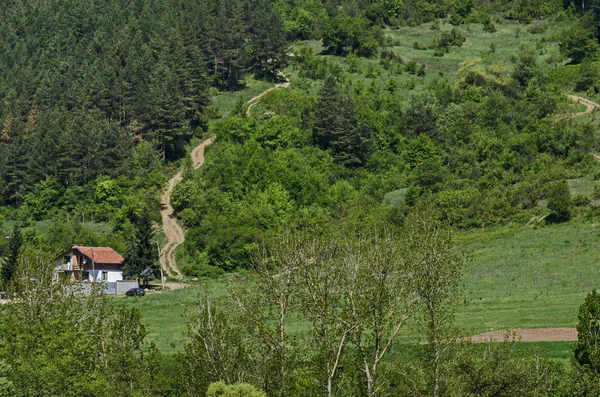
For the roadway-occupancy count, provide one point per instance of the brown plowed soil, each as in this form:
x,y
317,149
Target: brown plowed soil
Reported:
x,y
528,335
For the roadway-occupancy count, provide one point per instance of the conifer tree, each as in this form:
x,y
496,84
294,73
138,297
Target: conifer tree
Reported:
x,y
10,266
336,126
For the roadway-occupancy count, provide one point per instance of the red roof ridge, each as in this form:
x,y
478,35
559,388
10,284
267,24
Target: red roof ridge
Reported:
x,y
100,254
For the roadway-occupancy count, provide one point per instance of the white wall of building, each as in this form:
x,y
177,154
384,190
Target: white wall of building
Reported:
x,y
111,275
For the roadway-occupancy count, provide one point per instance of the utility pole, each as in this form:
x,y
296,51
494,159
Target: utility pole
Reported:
x,y
162,277
93,266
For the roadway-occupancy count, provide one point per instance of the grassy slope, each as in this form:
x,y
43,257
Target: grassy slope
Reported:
x,y
518,278
529,278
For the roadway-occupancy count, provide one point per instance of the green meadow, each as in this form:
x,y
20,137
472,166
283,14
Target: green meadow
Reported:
x,y
516,278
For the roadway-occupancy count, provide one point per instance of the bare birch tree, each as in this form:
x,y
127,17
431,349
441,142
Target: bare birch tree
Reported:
x,y
436,270
216,349
265,310
322,287
381,300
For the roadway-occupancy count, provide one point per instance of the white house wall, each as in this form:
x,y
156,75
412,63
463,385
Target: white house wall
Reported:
x,y
112,275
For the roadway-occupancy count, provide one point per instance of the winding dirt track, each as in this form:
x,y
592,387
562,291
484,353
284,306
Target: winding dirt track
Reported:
x,y
590,105
175,233
255,99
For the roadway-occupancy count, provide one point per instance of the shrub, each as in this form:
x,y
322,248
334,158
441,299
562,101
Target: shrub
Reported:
x,y
238,390
538,29
489,26
559,202
579,200
202,270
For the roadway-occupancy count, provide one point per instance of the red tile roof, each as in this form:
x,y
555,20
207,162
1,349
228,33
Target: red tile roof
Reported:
x,y
101,254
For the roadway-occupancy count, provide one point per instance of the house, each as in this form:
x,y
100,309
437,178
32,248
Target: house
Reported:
x,y
90,264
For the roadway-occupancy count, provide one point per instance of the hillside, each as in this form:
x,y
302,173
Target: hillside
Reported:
x,y
342,192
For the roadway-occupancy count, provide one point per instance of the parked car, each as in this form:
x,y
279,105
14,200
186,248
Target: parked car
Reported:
x,y
136,292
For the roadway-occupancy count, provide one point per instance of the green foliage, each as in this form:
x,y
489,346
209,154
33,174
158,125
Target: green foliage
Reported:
x,y
220,389
141,257
9,267
352,34
454,38
587,351
578,43
215,350
588,78
201,270
6,386
559,202
489,26
49,339
504,369
337,128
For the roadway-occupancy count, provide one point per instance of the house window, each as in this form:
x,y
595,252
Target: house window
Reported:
x,y
104,276
66,259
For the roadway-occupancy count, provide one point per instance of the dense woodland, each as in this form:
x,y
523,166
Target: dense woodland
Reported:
x,y
338,195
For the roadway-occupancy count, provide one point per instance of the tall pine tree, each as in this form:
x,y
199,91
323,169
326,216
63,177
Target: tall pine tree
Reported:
x,y
336,127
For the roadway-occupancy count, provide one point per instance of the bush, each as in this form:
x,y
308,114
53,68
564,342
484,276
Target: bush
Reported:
x,y
352,34
579,200
201,270
538,29
238,390
442,45
559,202
489,27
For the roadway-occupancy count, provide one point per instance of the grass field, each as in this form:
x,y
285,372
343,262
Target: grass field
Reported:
x,y
529,277
517,278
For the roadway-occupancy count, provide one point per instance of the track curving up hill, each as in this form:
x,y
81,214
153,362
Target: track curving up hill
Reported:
x,y
590,105
175,233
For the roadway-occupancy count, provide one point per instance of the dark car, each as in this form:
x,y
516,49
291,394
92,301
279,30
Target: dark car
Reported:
x,y
136,292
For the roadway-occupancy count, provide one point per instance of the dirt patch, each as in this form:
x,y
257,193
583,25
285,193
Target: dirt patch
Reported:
x,y
528,335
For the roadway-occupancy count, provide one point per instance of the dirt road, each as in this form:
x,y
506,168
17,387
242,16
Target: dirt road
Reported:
x,y
529,335
590,105
174,232
253,101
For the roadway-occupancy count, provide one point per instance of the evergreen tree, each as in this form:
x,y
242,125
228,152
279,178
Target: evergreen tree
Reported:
x,y
269,47
10,264
336,126
141,253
